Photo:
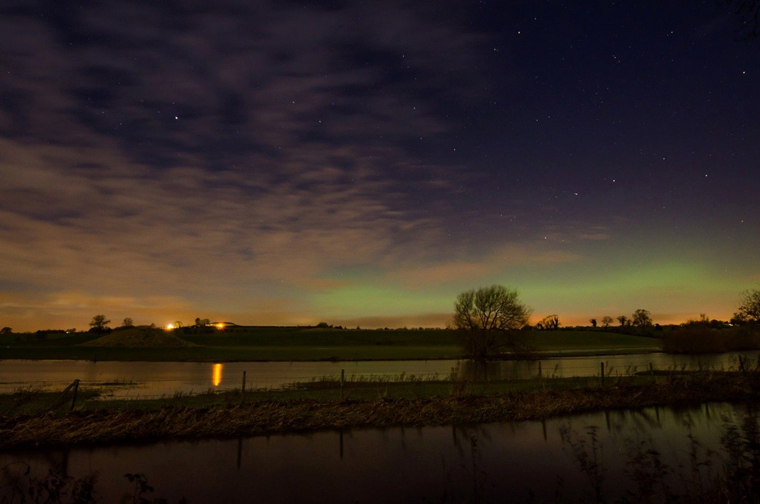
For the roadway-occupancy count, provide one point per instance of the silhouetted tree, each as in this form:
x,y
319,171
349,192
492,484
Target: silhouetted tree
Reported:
x,y
606,321
749,308
749,10
550,322
128,322
99,323
642,318
593,323
488,320
623,320
6,330
177,324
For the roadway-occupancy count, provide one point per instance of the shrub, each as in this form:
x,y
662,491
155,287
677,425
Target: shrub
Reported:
x,y
700,338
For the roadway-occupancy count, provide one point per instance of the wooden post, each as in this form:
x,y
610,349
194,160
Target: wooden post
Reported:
x,y
602,373
342,381
651,371
62,396
539,370
74,399
741,364
243,387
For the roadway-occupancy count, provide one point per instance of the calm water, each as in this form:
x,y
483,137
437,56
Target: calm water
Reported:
x,y
149,379
486,463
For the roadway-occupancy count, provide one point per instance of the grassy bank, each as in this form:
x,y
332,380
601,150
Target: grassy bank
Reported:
x,y
700,338
377,406
307,344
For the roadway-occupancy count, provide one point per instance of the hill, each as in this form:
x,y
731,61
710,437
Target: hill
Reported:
x,y
139,338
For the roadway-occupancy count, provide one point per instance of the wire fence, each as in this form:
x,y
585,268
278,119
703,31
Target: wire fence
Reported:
x,y
465,371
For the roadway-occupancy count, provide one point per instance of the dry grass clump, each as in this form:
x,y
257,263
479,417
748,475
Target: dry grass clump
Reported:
x,y
245,419
139,337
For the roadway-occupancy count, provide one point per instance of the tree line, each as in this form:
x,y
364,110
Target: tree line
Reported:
x,y
492,320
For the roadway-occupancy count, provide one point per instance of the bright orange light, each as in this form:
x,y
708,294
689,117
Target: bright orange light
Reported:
x,y
169,327
220,326
217,375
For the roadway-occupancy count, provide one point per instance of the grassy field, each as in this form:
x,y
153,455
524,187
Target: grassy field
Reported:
x,y
284,344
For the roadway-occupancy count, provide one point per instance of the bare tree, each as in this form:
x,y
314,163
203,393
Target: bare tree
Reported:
x,y
749,10
606,321
128,322
177,324
623,320
749,307
489,320
593,323
550,322
99,323
641,318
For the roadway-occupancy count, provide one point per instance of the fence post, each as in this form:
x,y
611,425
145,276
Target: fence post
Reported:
x,y
242,389
741,364
342,381
62,396
602,373
651,371
539,370
74,399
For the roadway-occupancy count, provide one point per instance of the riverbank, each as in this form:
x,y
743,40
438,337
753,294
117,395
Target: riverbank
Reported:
x,y
300,355
302,345
235,415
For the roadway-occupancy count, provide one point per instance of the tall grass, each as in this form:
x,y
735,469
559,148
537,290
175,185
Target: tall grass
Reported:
x,y
730,474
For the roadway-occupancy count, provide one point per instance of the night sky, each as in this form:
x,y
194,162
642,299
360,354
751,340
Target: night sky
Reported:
x,y
364,162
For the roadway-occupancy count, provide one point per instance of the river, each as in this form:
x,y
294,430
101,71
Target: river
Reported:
x,y
155,379
481,463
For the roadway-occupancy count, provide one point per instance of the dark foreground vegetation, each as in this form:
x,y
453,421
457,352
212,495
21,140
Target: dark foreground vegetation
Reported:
x,y
376,405
728,475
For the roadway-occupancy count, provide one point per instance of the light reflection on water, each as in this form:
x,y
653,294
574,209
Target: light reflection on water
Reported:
x,y
216,377
487,463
